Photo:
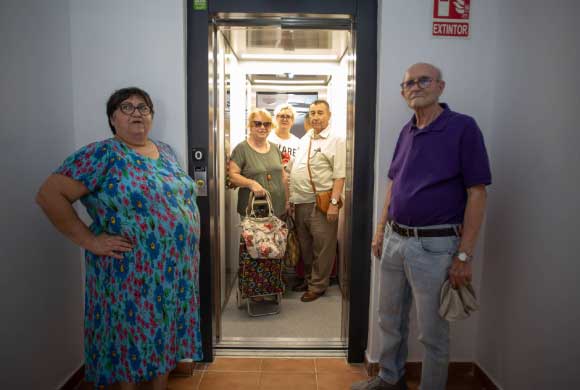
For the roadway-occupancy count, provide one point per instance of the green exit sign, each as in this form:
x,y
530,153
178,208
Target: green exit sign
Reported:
x,y
200,5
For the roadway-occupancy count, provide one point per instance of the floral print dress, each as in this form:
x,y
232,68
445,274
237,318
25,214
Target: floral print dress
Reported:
x,y
141,312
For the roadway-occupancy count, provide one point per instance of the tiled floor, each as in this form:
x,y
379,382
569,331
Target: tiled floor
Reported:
x,y
229,373
272,373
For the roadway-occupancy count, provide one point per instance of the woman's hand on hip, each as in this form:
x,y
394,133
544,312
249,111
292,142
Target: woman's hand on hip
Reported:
x,y
107,245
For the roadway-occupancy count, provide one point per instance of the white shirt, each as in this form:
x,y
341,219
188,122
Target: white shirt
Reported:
x,y
288,147
327,163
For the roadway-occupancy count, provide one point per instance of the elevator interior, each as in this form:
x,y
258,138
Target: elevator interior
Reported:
x,y
261,64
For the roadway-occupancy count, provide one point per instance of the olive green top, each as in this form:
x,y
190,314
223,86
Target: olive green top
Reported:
x,y
266,169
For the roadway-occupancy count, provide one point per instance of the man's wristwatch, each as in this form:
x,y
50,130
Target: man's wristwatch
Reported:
x,y
334,202
463,256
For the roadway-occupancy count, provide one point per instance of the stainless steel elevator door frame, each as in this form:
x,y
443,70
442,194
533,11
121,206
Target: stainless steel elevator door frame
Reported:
x,y
296,21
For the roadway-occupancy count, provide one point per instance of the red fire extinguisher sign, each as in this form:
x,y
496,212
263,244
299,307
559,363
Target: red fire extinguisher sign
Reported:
x,y
451,18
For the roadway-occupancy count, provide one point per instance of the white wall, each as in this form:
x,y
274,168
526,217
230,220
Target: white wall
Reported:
x,y
404,38
528,336
116,44
517,76
59,63
41,294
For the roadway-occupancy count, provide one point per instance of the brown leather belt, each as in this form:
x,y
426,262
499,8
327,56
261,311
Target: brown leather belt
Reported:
x,y
416,232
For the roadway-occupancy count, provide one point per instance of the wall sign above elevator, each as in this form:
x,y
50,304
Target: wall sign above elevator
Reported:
x,y
451,18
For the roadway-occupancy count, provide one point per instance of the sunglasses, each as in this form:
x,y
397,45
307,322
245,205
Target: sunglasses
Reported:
x,y
266,125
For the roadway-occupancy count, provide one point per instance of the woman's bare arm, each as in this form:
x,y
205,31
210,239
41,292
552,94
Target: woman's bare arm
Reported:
x,y
241,181
55,197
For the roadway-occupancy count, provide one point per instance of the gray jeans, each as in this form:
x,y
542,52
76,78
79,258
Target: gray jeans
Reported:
x,y
414,269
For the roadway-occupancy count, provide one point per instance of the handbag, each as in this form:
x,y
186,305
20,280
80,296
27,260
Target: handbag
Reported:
x,y
265,237
457,304
322,198
292,255
323,201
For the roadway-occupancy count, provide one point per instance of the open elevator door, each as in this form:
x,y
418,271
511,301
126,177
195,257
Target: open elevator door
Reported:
x,y
204,164
290,40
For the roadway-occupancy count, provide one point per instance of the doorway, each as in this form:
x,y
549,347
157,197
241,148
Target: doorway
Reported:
x,y
263,63
229,38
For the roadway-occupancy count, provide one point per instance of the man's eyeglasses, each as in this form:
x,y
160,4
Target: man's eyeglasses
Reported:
x,y
128,108
423,82
266,125
283,116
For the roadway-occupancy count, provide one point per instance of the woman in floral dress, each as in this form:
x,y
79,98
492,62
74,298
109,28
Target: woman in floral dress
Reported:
x,y
141,251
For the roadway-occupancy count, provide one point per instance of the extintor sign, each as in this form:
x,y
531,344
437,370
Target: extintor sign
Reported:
x,y
451,18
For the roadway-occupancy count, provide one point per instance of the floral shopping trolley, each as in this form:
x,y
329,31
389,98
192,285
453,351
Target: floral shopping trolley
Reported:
x,y
260,275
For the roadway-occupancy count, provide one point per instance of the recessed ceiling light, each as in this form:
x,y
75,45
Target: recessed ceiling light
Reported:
x,y
305,57
264,81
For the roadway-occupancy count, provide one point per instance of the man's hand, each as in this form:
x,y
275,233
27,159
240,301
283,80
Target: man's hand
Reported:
x,y
377,244
107,245
332,213
459,273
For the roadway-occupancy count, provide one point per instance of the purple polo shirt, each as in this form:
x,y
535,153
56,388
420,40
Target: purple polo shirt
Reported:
x,y
432,168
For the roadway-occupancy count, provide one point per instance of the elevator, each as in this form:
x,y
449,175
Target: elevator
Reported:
x,y
259,59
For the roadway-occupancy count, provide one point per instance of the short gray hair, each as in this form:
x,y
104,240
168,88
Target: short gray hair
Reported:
x,y
437,70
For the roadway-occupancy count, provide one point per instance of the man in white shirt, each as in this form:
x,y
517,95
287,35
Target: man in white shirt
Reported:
x,y
287,142
320,166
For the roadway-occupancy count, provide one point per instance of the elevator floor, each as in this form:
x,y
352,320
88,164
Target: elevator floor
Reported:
x,y
312,320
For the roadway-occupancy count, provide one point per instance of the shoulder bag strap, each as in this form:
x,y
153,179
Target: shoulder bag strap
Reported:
x,y
308,166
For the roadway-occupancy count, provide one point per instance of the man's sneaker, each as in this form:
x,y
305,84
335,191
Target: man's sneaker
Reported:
x,y
377,383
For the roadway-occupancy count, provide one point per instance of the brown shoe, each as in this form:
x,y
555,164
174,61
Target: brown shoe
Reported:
x,y
300,287
310,296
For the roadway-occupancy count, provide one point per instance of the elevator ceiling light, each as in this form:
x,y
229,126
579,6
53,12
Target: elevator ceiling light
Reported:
x,y
299,57
295,82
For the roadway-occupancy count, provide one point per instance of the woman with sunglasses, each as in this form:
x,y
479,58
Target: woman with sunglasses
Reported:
x,y
256,165
141,250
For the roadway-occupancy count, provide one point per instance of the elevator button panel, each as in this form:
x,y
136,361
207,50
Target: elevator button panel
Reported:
x,y
200,178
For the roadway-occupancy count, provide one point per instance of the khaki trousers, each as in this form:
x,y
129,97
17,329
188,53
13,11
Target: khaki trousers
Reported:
x,y
317,239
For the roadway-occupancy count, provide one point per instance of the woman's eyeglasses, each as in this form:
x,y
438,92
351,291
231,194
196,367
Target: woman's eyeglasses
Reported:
x,y
128,108
266,125
284,116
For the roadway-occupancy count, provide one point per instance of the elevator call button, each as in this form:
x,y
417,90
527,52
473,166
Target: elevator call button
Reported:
x,y
200,178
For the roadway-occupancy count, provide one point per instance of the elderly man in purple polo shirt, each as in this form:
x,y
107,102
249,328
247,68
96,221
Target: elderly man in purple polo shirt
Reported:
x,y
433,210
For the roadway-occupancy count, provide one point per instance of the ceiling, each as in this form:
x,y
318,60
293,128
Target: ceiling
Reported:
x,y
274,43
